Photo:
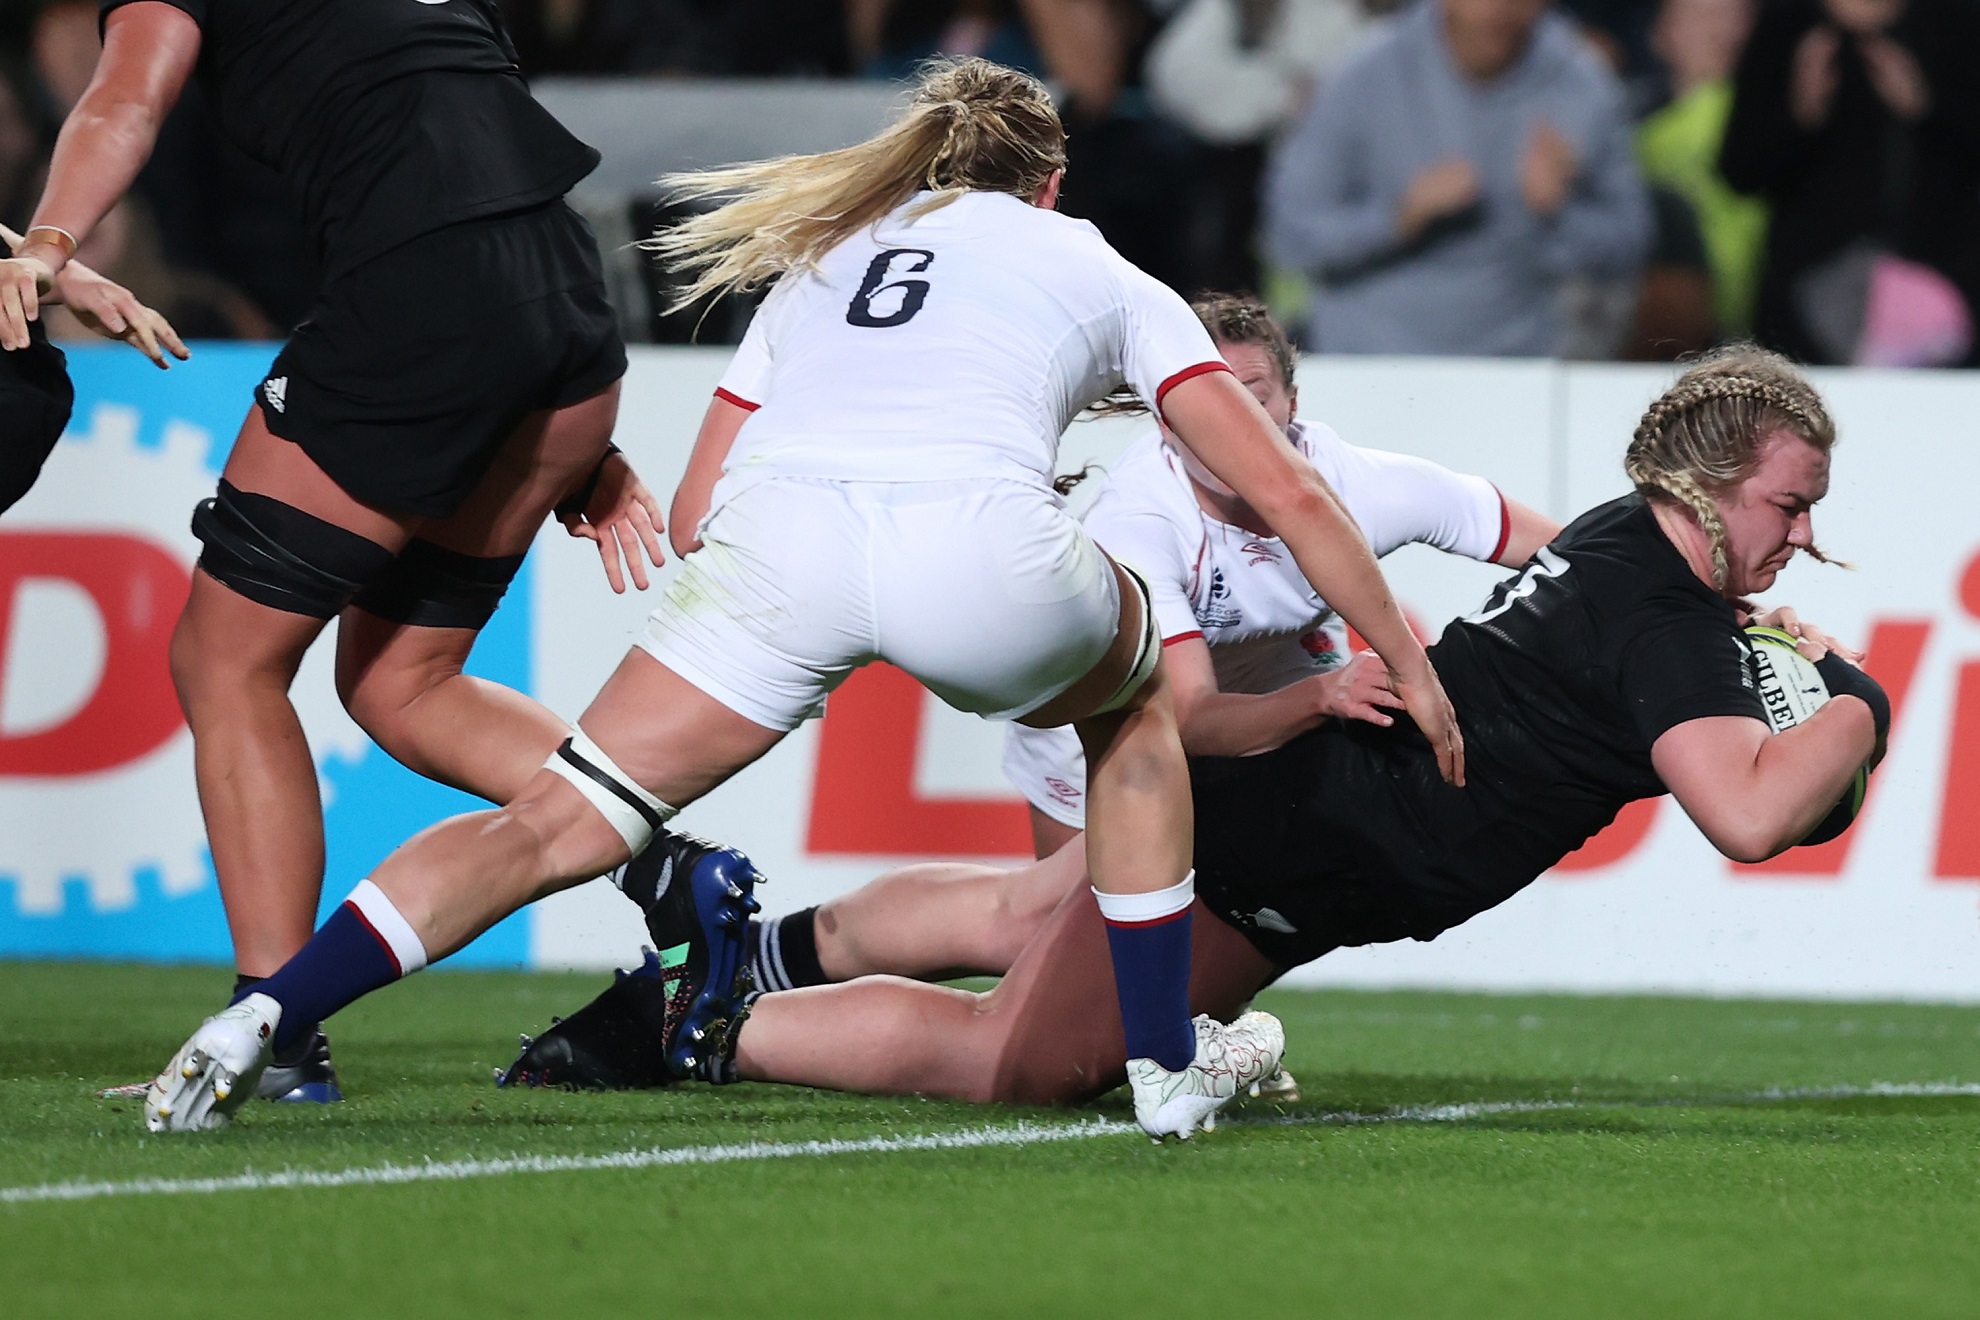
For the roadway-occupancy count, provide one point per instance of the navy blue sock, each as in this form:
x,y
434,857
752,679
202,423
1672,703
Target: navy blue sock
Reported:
x,y
343,962
1151,975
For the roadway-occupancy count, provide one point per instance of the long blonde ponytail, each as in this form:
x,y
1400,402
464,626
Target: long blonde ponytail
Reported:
x,y
972,126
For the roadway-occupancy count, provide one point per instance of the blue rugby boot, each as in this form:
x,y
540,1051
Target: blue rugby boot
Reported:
x,y
302,1074
698,898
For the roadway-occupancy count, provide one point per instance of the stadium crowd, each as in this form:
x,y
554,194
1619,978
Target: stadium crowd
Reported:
x,y
1587,178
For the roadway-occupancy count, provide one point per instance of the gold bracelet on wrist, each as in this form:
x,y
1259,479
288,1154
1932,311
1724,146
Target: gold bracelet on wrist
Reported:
x,y
53,234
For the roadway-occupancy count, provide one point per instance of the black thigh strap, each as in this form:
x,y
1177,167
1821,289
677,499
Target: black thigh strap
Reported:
x,y
276,555
429,586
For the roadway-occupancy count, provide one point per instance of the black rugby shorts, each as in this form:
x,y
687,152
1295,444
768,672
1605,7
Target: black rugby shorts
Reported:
x,y
35,400
412,370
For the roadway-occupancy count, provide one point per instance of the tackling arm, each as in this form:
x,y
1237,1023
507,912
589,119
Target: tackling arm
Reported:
x,y
1227,429
1215,723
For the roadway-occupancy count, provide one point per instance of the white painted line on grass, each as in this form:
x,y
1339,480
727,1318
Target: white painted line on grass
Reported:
x,y
1004,1135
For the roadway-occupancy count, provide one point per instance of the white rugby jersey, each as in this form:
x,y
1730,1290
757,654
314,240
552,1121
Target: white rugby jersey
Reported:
x,y
1242,593
956,344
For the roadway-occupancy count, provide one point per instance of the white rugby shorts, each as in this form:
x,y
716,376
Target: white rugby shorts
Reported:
x,y
985,590
1048,766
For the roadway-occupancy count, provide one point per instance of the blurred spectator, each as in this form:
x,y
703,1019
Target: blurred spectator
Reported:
x,y
1453,178
1699,41
1859,122
65,45
1128,170
890,37
21,154
1235,72
751,38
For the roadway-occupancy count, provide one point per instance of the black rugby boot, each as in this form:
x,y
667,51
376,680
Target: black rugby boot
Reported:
x,y
613,1043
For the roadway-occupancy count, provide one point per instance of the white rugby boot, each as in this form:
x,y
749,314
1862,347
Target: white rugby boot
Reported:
x,y
215,1072
1281,1088
1229,1058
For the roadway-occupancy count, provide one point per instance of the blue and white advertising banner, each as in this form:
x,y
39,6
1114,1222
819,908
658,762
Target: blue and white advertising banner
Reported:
x,y
102,852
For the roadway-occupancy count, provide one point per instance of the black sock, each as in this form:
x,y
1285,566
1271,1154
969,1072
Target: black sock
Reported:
x,y
783,952
243,984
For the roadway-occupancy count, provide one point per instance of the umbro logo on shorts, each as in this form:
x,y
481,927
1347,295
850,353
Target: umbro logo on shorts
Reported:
x,y
275,391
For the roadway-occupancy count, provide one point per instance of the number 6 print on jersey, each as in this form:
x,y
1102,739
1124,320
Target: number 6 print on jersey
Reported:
x,y
913,292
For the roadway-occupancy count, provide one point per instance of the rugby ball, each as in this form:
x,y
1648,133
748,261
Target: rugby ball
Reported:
x,y
1792,689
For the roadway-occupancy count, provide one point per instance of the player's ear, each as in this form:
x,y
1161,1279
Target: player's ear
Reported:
x,y
1047,198
1292,404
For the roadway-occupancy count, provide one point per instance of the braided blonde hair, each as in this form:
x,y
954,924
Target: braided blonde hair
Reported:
x,y
1701,438
971,126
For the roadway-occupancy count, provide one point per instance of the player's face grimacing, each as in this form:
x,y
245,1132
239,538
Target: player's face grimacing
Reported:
x,y
1258,372
1768,515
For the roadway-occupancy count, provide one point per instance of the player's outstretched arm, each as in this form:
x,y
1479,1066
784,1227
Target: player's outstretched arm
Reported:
x,y
1217,723
111,310
1224,426
1754,793
149,51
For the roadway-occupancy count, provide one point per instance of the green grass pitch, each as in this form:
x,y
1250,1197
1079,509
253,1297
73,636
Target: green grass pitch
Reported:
x,y
1695,1159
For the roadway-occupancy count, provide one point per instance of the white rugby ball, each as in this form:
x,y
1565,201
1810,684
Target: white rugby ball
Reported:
x,y
1791,687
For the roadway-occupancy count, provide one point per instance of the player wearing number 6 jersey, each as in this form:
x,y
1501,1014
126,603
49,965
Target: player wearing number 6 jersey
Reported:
x,y
874,481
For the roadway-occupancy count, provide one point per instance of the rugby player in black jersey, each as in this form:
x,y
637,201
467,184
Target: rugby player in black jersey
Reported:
x,y
456,379
1613,667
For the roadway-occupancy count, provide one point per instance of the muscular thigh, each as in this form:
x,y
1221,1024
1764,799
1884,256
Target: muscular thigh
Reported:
x,y
1062,1035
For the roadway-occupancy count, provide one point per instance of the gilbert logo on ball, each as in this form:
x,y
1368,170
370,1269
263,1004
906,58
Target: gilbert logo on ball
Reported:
x,y
1790,686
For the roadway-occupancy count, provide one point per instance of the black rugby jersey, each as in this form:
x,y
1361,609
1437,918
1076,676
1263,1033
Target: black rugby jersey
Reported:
x,y
1562,682
323,91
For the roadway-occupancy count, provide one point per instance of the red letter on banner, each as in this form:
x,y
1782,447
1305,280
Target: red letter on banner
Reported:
x,y
138,589
1959,814
1896,646
863,799
1616,840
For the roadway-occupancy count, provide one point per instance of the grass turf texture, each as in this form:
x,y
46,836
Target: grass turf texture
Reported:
x,y
1668,1189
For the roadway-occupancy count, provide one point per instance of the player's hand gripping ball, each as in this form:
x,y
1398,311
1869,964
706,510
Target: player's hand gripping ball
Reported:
x,y
1792,689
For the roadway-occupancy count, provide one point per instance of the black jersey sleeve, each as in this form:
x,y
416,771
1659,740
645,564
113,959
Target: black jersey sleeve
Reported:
x,y
196,8
1684,660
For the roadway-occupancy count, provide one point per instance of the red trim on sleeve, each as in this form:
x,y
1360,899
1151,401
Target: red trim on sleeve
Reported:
x,y
736,399
1181,637
1188,373
1505,525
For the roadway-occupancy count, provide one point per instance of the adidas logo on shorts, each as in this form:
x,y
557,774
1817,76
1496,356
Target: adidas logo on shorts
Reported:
x,y
275,390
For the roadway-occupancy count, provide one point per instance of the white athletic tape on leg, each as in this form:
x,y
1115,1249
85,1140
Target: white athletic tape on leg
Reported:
x,y
1146,656
635,813
1135,909
388,924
